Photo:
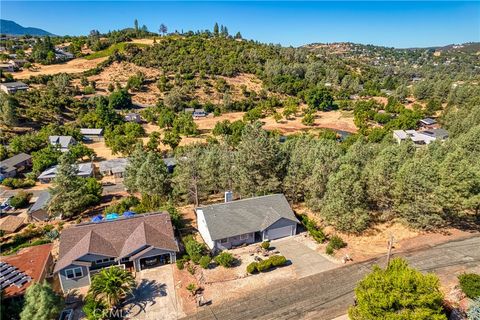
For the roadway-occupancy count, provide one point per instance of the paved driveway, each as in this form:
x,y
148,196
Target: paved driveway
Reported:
x,y
305,260
154,298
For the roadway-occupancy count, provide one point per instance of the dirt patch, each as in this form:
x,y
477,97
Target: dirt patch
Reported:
x,y
337,120
103,152
73,66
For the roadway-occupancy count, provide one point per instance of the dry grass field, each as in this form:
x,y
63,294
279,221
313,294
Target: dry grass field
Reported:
x,y
73,66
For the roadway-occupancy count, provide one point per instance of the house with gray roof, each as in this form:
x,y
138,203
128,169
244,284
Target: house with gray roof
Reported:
x,y
12,87
92,134
115,167
84,170
230,224
62,142
39,209
420,137
16,164
134,243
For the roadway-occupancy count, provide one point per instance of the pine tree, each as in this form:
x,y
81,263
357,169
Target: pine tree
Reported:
x,y
257,162
135,161
215,29
41,303
152,176
8,110
189,179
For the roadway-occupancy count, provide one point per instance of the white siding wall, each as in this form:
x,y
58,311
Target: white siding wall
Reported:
x,y
203,229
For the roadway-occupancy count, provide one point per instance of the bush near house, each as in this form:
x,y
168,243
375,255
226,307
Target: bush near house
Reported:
x,y
194,249
470,284
205,262
252,267
225,259
335,243
16,183
267,264
316,233
265,245
20,200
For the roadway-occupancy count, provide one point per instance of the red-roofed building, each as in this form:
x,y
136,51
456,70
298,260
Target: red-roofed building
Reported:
x,y
28,265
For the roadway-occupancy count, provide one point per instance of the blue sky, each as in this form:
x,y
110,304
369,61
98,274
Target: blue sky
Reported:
x,y
396,24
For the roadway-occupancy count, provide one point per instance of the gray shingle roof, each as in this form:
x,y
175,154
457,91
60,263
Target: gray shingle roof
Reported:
x,y
114,165
245,216
63,141
84,170
9,164
42,201
93,132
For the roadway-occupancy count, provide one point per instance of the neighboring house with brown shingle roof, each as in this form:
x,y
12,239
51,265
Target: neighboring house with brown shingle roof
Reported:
x,y
10,224
137,243
20,270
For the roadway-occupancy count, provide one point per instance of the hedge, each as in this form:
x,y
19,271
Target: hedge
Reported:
x,y
267,264
204,262
470,284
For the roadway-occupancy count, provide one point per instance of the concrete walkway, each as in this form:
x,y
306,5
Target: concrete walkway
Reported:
x,y
306,261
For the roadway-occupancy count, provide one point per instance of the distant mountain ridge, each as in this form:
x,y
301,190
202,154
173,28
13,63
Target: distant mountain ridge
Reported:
x,y
12,28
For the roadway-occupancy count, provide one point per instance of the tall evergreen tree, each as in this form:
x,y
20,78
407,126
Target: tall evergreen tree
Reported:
x,y
215,29
189,180
135,161
41,303
257,162
152,176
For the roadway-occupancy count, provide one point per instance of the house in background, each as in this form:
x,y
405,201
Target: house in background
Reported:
x,y
11,223
85,170
12,87
115,167
135,243
92,134
38,211
246,221
199,113
7,67
10,167
62,142
428,123
170,163
420,137
133,117
19,271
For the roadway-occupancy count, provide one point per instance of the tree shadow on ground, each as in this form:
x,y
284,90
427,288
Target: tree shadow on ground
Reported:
x,y
144,295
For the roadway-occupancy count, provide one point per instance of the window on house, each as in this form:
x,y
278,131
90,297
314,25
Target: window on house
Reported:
x,y
224,240
244,236
104,260
74,273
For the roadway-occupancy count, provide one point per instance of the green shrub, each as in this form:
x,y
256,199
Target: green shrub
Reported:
x,y
265,245
329,249
252,267
278,261
264,265
191,269
20,200
194,249
16,183
205,262
180,264
316,233
470,284
337,243
225,259
192,287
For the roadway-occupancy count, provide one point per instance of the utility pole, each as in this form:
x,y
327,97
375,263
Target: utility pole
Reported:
x,y
389,253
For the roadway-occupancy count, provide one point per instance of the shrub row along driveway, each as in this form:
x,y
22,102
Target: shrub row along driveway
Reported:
x,y
328,294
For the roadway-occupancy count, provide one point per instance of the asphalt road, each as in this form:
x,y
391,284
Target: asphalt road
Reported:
x,y
328,294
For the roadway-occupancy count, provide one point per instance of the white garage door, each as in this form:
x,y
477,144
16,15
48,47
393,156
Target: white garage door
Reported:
x,y
279,232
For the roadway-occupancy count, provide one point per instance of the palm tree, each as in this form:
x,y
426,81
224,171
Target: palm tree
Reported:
x,y
111,285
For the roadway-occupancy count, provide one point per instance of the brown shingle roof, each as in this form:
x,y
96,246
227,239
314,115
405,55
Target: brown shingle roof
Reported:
x,y
116,238
33,261
11,223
